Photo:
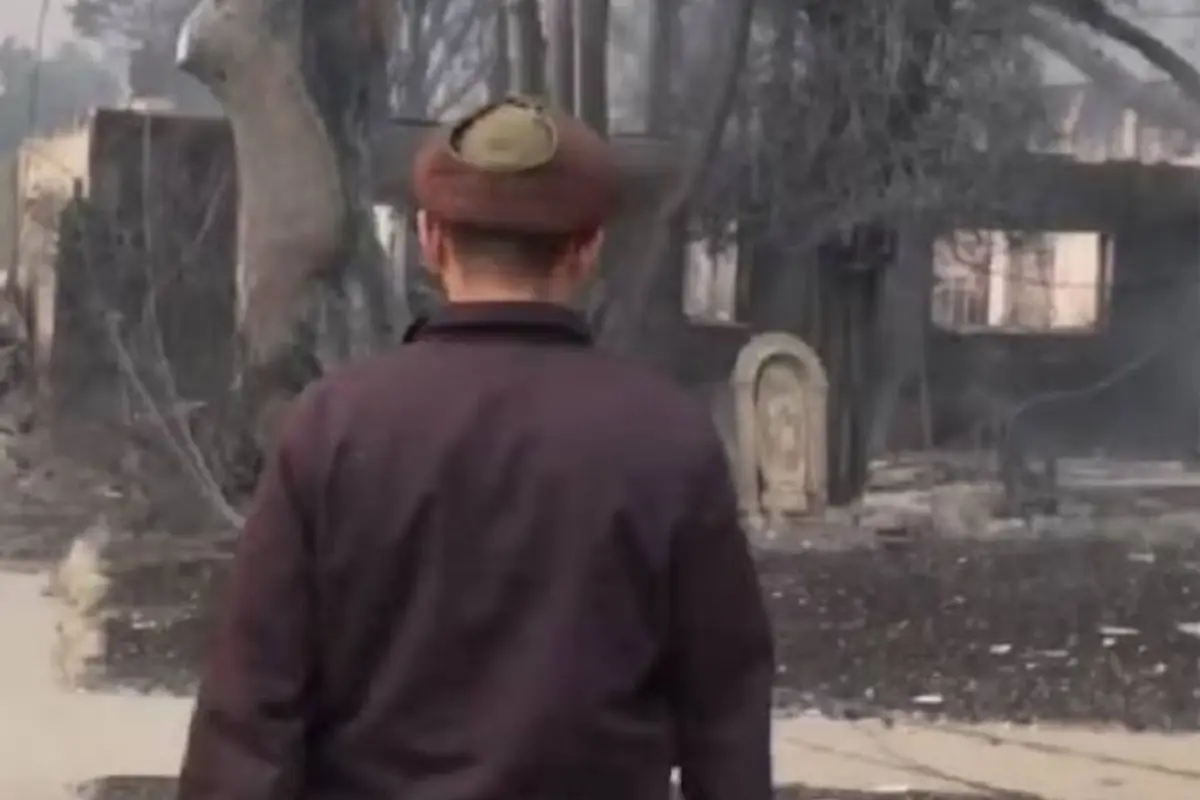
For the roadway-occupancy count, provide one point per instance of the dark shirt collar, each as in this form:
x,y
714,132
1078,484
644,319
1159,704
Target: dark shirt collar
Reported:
x,y
529,321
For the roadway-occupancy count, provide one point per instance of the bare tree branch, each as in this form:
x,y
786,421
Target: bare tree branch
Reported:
x,y
1097,15
1151,102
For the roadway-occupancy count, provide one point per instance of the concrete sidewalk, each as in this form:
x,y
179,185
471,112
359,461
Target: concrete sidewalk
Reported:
x,y
1054,763
52,739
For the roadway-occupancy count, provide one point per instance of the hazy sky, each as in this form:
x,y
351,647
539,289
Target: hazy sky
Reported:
x,y
19,18
1176,21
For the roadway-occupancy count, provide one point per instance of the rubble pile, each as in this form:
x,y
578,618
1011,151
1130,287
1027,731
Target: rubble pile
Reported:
x,y
135,609
134,554
952,495
58,483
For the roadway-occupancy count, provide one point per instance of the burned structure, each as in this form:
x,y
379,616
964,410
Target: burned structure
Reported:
x,y
121,243
121,255
1060,325
1122,382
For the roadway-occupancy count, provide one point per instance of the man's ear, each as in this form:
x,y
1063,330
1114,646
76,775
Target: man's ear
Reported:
x,y
589,251
432,242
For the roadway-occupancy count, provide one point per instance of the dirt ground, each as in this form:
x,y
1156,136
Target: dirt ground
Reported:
x,y
52,740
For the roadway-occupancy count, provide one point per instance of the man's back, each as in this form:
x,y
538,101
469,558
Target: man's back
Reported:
x,y
502,596
496,559
494,565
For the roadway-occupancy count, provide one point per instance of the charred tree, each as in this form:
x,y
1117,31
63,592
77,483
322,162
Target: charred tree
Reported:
x,y
528,47
629,321
560,52
664,35
852,263
413,60
830,291
500,74
304,83
875,246
664,322
591,62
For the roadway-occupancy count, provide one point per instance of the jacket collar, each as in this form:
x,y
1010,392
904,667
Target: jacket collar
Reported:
x,y
528,321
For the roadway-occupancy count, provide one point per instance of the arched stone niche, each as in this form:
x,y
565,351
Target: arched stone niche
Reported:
x,y
780,398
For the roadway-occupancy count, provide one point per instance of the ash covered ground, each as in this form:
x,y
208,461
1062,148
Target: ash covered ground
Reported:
x,y
1095,622
1092,622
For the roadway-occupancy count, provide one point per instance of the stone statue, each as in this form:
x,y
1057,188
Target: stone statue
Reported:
x,y
780,462
783,434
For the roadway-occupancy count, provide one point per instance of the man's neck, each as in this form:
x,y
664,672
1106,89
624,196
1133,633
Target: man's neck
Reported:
x,y
489,292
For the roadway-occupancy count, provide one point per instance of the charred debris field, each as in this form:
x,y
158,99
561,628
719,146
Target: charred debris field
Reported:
x,y
1073,629
1076,630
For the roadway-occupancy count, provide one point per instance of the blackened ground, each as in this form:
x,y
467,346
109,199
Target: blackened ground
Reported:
x,y
1076,630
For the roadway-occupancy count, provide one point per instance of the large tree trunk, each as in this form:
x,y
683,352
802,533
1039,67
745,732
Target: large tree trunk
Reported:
x,y
500,74
303,83
833,300
904,324
591,62
844,310
845,329
664,34
665,322
413,61
629,314
560,52
528,47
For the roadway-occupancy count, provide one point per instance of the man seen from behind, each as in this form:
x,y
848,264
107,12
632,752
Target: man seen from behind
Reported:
x,y
495,563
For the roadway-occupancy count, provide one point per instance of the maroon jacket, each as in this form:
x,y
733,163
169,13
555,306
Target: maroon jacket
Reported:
x,y
495,564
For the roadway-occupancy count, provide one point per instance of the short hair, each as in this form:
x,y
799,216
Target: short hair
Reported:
x,y
523,252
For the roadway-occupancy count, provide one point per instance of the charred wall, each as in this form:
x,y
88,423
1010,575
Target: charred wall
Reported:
x,y
1129,388
145,268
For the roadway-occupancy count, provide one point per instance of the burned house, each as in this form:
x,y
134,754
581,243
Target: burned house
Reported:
x,y
124,233
1063,305
1072,304
120,254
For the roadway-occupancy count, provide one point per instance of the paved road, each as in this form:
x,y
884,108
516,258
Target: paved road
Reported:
x,y
51,739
